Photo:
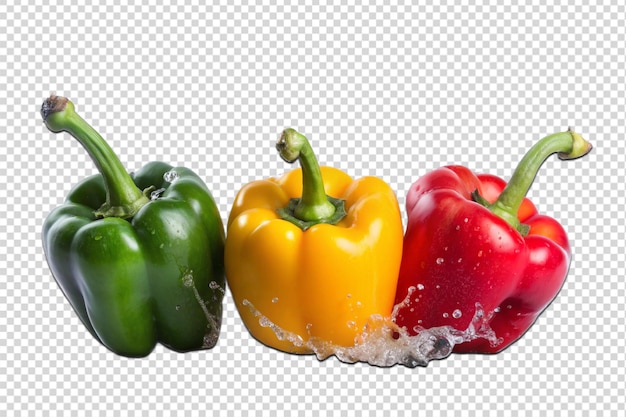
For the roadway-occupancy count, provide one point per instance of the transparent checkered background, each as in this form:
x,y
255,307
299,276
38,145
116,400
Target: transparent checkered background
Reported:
x,y
392,91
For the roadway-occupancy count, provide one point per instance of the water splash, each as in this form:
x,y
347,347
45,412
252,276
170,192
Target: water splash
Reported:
x,y
281,334
383,343
213,326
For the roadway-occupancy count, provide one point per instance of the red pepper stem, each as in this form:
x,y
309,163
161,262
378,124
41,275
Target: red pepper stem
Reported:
x,y
123,198
315,206
568,145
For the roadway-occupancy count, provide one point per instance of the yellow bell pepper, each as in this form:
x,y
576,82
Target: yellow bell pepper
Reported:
x,y
304,266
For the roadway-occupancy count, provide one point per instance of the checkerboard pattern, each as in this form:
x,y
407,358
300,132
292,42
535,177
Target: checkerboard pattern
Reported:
x,y
386,90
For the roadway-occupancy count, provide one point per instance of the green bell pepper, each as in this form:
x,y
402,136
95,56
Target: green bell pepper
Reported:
x,y
138,267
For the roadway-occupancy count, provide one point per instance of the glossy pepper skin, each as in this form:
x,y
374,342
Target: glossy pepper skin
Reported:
x,y
473,239
136,270
323,282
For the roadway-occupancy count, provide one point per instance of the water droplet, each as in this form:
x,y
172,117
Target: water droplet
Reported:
x,y
496,310
439,261
466,220
351,324
457,313
178,307
446,315
275,300
460,260
458,227
509,306
188,280
437,286
215,286
170,176
480,253
98,237
154,195
349,296
420,286
308,327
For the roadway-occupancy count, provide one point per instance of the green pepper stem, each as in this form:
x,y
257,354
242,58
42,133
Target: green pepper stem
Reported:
x,y
123,198
568,145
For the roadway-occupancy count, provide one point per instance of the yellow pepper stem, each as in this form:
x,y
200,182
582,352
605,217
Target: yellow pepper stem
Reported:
x,y
315,206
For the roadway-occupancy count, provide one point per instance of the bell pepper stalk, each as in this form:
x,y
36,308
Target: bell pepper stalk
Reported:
x,y
139,256
314,206
313,253
476,245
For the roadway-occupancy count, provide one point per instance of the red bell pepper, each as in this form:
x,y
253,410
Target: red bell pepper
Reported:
x,y
472,241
